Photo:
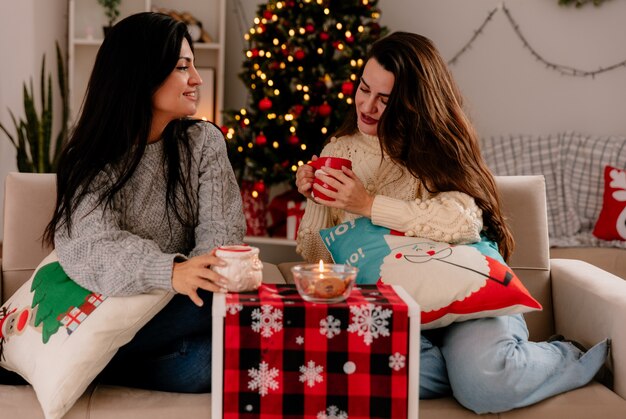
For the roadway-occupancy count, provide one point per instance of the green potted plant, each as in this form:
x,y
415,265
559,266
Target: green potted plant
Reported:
x,y
36,152
112,12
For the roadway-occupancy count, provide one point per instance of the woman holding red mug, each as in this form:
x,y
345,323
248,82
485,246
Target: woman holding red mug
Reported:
x,y
417,169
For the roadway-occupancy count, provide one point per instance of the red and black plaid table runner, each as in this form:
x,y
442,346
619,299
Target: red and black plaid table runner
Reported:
x,y
286,358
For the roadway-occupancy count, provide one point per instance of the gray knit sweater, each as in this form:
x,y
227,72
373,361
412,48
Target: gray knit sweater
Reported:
x,y
130,248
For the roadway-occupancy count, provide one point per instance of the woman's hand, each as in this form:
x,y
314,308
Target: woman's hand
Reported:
x,y
190,275
304,179
351,195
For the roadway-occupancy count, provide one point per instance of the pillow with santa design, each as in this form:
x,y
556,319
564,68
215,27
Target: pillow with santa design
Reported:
x,y
611,223
450,282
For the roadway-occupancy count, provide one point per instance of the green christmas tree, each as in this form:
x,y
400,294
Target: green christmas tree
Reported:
x,y
55,294
302,62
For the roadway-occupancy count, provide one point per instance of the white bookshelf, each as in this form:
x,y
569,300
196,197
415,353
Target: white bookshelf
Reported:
x,y
86,19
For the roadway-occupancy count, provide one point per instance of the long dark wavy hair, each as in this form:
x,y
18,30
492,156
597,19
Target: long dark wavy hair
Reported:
x,y
111,134
425,129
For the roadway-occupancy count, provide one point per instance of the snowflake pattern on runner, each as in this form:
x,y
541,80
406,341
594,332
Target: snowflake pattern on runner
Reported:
x,y
263,378
332,412
369,321
267,320
397,361
311,374
299,340
233,308
330,327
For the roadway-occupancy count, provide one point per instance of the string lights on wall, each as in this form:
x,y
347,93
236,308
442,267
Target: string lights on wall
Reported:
x,y
562,69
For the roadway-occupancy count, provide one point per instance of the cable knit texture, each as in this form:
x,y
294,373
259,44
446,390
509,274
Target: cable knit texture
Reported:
x,y
130,248
401,203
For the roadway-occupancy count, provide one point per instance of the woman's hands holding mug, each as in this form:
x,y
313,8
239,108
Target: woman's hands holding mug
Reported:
x,y
349,195
194,273
334,187
305,176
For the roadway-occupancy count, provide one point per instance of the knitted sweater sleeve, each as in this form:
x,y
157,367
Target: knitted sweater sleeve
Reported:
x,y
451,217
102,257
220,219
316,217
309,243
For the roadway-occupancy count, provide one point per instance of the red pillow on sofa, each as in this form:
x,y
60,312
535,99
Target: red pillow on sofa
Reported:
x,y
611,224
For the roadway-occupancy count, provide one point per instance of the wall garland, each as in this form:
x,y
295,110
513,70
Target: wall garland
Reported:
x,y
562,69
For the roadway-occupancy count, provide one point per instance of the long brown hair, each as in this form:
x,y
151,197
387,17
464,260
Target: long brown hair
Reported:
x,y
425,129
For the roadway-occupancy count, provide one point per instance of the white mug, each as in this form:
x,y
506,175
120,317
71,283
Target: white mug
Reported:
x,y
243,270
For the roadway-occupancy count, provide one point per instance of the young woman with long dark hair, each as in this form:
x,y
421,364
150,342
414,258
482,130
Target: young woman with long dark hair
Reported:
x,y
144,196
417,169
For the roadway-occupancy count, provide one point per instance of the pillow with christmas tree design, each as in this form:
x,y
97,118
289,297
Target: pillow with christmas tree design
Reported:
x,y
58,336
450,282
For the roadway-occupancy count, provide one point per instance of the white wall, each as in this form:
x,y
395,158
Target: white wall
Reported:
x,y
28,29
506,89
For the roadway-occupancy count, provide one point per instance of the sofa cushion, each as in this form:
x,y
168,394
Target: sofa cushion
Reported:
x,y
572,165
450,282
58,336
536,155
611,223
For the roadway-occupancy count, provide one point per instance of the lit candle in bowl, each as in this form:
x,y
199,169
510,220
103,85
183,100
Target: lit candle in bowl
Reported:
x,y
324,283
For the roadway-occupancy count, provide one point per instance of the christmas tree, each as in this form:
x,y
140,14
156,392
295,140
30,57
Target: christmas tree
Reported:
x,y
302,62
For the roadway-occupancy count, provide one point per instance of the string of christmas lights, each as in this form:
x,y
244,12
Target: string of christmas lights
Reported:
x,y
562,69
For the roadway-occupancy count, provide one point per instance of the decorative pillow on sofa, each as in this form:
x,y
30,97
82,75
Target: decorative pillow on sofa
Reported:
x,y
450,282
58,336
611,224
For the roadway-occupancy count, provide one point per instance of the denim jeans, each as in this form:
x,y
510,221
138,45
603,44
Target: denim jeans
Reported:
x,y
489,365
172,352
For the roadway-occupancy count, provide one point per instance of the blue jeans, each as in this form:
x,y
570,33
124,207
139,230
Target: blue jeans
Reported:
x,y
172,352
489,365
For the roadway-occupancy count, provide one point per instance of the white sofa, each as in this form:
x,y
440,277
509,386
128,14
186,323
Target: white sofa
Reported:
x,y
573,167
580,301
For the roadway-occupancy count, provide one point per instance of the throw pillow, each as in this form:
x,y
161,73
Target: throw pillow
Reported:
x,y
58,336
450,282
611,223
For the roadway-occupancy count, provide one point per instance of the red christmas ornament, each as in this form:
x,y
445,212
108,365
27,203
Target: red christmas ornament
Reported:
x,y
350,39
296,110
336,44
267,14
255,52
324,110
293,140
224,129
260,139
265,104
259,186
309,27
347,88
300,54
324,36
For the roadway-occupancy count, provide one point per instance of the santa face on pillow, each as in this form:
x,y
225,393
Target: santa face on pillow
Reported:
x,y
459,270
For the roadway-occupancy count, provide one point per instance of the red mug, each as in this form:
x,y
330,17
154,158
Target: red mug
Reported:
x,y
332,162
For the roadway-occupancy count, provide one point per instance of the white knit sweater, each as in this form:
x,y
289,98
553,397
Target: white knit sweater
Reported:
x,y
401,203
